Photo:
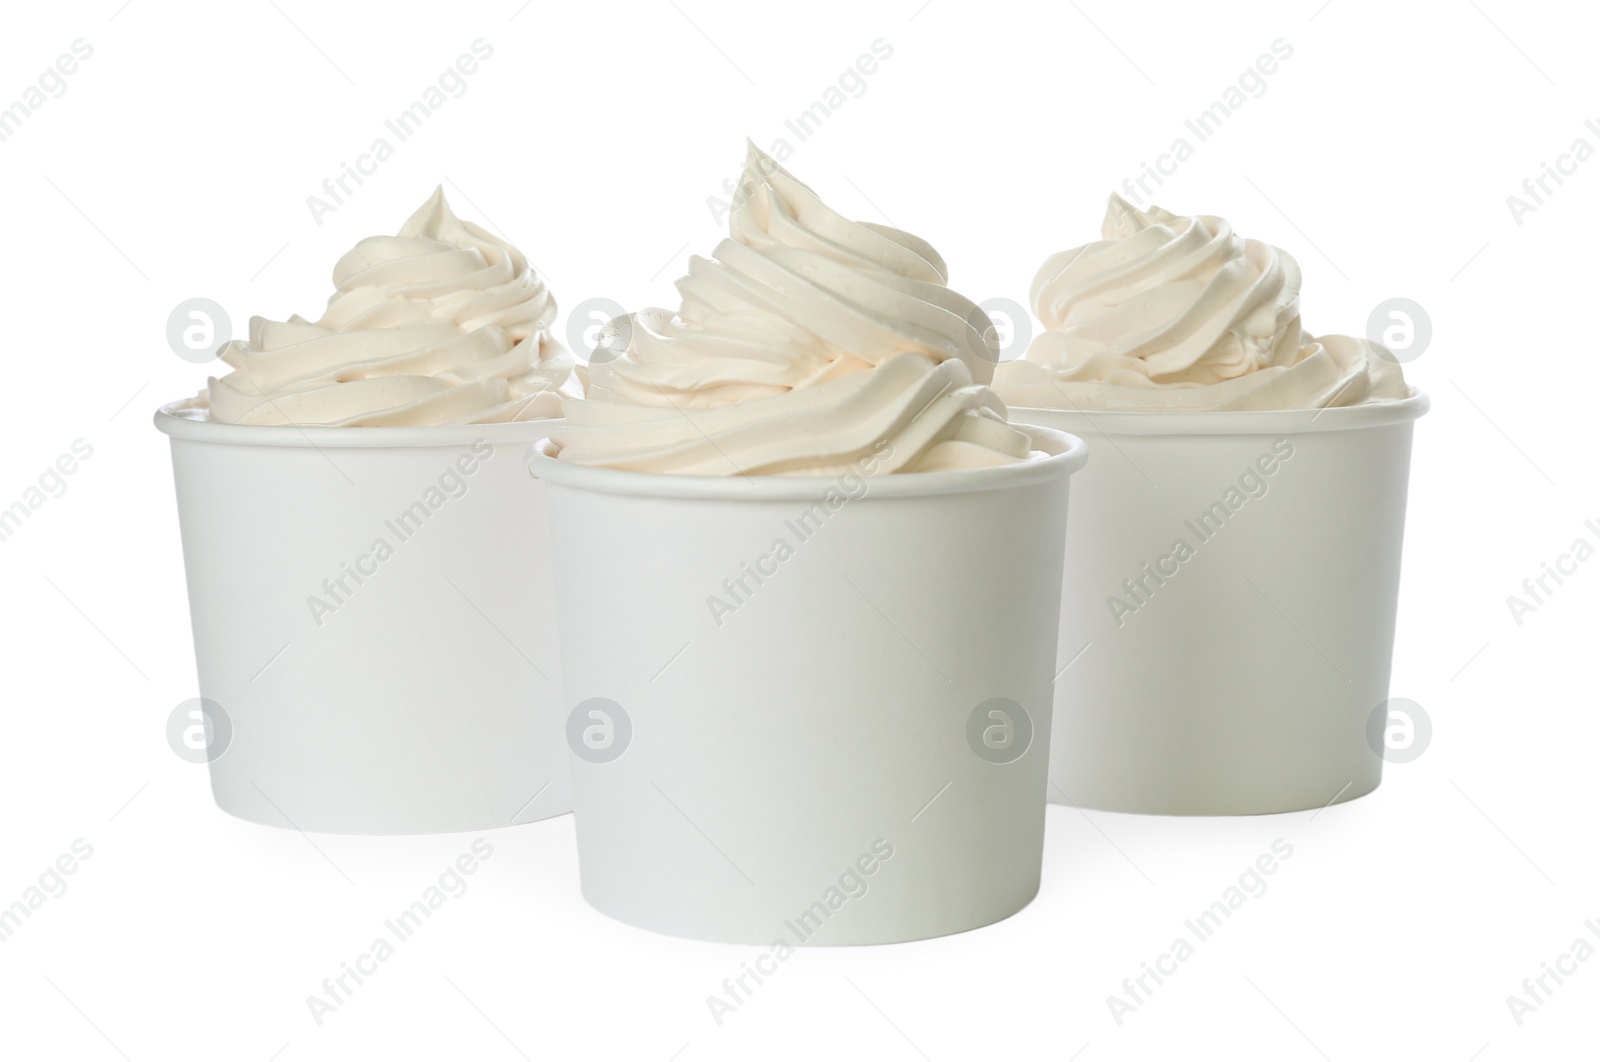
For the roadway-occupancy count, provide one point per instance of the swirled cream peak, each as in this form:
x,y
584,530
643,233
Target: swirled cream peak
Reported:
x,y
804,344
441,324
1168,312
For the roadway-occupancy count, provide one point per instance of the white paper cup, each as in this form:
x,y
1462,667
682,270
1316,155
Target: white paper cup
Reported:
x,y
423,694
801,770
1242,677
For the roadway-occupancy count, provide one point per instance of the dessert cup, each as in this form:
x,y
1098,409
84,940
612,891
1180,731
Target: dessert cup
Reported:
x,y
1228,616
372,611
840,740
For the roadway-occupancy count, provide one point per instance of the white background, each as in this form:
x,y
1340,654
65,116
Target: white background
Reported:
x,y
177,164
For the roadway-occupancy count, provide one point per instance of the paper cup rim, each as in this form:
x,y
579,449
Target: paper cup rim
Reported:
x,y
1065,454
184,420
1230,421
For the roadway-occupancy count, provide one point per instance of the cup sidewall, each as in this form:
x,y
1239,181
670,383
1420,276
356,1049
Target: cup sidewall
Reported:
x,y
778,747
407,699
1241,682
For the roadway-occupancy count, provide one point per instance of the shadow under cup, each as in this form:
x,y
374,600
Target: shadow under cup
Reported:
x,y
810,710
1228,615
373,620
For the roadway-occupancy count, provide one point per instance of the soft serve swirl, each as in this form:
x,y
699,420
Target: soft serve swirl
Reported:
x,y
441,324
1169,312
805,342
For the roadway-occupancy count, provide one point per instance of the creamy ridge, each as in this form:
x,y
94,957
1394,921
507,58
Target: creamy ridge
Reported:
x,y
443,323
1169,312
803,343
